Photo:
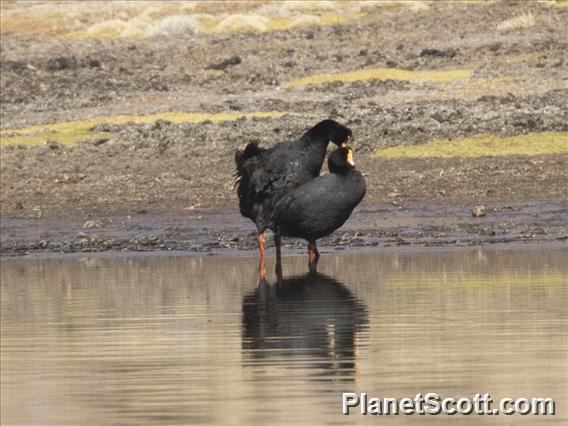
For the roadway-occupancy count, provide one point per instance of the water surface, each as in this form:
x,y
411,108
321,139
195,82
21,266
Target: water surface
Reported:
x,y
196,340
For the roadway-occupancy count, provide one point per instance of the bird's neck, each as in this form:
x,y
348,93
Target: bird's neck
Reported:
x,y
346,172
315,144
315,151
315,147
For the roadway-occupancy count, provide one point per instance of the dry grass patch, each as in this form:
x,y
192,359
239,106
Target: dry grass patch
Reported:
x,y
380,74
487,86
484,145
140,19
524,20
79,130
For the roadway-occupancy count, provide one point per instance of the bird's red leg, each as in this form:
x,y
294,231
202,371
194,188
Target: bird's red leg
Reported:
x,y
261,248
313,255
277,244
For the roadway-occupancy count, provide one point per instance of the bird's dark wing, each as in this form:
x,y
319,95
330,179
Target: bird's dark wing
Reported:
x,y
264,178
299,209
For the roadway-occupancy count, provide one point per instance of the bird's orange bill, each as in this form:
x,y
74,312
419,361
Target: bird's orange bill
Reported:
x,y
346,142
350,158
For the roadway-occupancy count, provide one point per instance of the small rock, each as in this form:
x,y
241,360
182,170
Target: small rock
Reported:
x,y
92,63
233,60
105,127
61,63
14,66
494,47
98,142
160,124
19,205
478,211
439,117
92,224
38,212
54,145
448,53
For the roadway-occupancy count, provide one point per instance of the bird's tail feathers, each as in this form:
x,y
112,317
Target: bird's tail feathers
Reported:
x,y
250,151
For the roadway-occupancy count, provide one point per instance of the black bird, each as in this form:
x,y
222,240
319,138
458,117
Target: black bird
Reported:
x,y
264,176
321,206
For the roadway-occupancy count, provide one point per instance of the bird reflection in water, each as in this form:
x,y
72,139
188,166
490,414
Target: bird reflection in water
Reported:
x,y
312,317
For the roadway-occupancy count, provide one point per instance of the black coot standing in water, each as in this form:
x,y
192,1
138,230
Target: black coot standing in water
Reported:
x,y
264,176
321,206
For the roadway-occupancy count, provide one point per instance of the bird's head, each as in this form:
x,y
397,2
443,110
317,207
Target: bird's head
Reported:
x,y
341,160
331,131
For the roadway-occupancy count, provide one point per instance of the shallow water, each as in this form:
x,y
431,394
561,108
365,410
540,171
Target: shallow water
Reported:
x,y
194,340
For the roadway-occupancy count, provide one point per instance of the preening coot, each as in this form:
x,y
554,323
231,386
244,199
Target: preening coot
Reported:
x,y
321,206
264,176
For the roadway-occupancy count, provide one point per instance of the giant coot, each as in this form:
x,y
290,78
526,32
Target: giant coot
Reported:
x,y
321,206
264,176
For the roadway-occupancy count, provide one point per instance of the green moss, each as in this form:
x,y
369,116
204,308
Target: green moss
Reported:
x,y
484,145
381,74
74,131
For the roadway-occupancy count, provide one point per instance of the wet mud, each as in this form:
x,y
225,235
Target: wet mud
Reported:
x,y
226,232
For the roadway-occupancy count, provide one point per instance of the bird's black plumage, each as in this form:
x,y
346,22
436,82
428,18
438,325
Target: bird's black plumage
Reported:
x,y
321,206
264,176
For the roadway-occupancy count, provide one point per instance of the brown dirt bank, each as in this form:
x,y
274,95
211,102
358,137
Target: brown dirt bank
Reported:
x,y
210,231
517,85
150,174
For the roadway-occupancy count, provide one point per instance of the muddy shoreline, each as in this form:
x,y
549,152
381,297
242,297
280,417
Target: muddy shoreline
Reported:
x,y
159,184
226,232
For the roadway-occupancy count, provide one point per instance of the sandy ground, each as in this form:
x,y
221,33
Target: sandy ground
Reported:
x,y
60,197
